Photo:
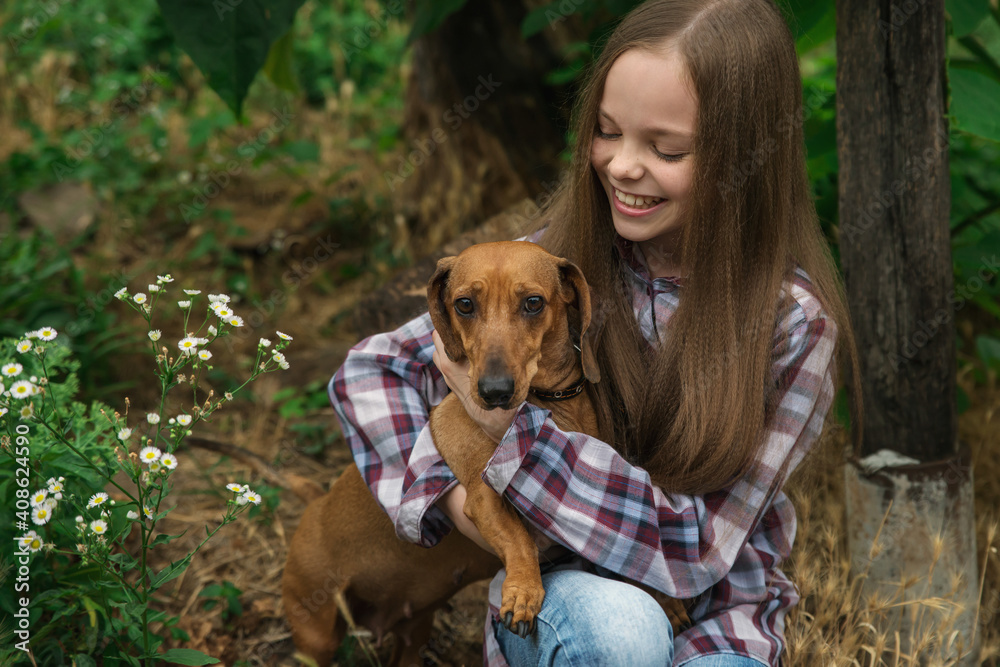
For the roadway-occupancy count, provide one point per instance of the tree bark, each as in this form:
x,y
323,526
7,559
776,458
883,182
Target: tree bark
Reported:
x,y
894,231
483,130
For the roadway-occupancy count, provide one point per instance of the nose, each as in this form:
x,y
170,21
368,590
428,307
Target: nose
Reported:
x,y
625,164
496,390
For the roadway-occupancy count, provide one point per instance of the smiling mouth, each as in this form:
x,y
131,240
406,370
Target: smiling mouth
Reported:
x,y
636,201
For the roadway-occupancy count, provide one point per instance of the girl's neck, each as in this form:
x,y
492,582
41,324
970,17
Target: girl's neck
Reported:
x,y
662,260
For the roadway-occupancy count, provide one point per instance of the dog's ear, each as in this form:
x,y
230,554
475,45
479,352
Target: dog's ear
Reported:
x,y
572,277
440,311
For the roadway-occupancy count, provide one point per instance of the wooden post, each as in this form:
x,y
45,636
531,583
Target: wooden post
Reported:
x,y
909,492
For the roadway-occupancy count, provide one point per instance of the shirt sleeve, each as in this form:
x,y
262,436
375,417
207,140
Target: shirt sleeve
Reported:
x,y
581,493
382,396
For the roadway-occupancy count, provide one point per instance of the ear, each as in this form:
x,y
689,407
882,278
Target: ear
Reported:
x,y
572,278
440,311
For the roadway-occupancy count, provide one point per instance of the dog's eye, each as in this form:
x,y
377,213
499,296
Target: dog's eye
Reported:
x,y
464,307
533,304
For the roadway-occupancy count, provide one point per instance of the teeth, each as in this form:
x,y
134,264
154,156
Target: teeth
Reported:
x,y
638,202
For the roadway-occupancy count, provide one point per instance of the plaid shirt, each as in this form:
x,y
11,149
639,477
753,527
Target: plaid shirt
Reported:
x,y
721,549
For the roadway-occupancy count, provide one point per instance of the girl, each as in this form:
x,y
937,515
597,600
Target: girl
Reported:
x,y
717,316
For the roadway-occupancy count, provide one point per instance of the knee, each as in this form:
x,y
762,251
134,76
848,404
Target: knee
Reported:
x,y
606,622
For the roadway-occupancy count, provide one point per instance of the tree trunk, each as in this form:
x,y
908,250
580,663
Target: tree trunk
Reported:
x,y
909,495
483,131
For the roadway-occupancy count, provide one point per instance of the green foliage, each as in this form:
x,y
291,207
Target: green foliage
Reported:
x,y
85,586
228,594
229,40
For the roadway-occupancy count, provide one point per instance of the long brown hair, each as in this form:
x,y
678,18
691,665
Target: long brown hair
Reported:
x,y
693,412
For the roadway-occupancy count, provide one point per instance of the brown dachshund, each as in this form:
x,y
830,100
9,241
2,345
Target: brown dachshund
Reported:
x,y
518,315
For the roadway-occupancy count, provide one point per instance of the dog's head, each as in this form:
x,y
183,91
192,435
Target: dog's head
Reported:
x,y
507,308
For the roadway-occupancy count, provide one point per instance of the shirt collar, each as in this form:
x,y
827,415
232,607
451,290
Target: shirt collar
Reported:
x,y
632,255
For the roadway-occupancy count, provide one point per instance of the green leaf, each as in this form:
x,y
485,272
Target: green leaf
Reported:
x,y
966,14
988,349
539,19
812,22
430,14
84,660
975,103
279,68
229,40
172,571
302,151
188,656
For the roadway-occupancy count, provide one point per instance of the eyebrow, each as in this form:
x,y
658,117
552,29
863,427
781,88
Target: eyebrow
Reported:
x,y
655,131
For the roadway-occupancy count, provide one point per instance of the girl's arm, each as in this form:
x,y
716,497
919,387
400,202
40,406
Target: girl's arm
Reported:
x,y
581,493
382,395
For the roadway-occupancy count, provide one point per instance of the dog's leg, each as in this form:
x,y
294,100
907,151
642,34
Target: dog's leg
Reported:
x,y
502,529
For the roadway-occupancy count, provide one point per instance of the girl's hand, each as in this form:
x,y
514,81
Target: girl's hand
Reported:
x,y
493,422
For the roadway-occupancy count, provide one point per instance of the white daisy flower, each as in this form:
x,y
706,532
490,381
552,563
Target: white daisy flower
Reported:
x,y
251,497
155,467
23,346
212,331
165,279
12,369
124,434
168,461
31,334
218,298
283,336
121,294
41,515
50,504
132,515
99,526
278,356
23,389
47,333
241,500
183,420
34,378
55,487
184,304
235,321
171,421
148,513
38,497
264,342
192,292
27,412
139,298
152,418
149,455
222,311
97,500
154,335
78,519
235,488
3,411
32,541
204,355
154,288
188,345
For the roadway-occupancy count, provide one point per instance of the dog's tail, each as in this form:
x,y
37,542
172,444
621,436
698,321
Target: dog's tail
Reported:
x,y
304,488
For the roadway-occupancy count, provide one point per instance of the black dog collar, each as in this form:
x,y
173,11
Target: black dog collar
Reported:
x,y
561,394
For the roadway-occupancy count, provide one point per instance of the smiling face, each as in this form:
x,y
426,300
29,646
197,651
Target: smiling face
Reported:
x,y
643,148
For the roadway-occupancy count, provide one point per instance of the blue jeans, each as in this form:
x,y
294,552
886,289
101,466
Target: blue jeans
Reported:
x,y
590,621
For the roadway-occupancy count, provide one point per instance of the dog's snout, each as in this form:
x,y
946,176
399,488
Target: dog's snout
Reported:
x,y
496,390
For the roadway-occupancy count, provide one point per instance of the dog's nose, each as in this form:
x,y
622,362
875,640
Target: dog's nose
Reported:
x,y
496,391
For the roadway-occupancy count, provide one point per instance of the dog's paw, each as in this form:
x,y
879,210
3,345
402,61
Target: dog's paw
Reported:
x,y
520,607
